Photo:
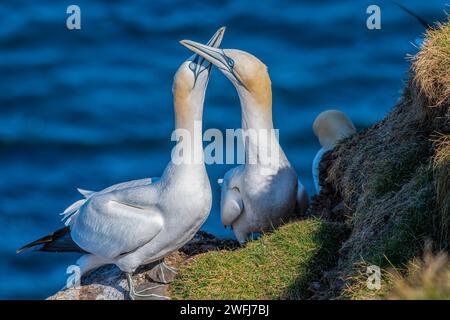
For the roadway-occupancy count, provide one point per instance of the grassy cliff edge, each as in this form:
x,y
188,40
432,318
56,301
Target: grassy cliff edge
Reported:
x,y
385,202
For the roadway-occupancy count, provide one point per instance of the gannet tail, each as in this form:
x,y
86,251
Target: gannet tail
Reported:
x,y
58,241
85,193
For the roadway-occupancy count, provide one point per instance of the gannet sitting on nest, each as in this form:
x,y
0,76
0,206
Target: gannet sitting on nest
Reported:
x,y
256,196
330,126
142,221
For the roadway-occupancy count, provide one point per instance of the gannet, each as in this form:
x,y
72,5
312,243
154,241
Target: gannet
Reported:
x,y
329,127
142,221
258,195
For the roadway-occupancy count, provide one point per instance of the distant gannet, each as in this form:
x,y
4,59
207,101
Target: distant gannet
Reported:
x,y
256,196
142,221
330,126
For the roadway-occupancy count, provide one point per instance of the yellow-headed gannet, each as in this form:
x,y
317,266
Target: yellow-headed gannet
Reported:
x,y
261,194
330,126
140,222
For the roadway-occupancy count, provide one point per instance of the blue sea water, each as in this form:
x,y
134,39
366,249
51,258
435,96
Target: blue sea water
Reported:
x,y
92,107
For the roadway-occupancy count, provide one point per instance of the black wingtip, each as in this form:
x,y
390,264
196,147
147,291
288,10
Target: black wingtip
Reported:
x,y
421,20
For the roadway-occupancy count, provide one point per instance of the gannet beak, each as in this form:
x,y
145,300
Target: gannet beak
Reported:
x,y
198,63
216,56
216,39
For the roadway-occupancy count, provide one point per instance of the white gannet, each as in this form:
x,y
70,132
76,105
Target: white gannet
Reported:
x,y
142,221
329,127
256,196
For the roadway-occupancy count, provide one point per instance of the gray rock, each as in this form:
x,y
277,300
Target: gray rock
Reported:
x,y
109,282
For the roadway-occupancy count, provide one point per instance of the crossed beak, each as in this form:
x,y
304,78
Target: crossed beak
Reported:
x,y
217,57
213,55
200,63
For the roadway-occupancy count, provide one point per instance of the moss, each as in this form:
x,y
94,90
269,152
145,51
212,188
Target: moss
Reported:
x,y
279,265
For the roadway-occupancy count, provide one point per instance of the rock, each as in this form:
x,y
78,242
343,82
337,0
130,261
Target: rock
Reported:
x,y
109,282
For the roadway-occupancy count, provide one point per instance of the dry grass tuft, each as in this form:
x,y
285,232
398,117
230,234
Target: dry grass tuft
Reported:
x,y
426,279
432,66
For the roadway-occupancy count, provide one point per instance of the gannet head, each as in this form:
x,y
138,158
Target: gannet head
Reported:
x,y
191,78
331,126
247,73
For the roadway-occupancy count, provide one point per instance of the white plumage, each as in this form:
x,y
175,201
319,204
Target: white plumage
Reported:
x,y
330,127
141,221
259,195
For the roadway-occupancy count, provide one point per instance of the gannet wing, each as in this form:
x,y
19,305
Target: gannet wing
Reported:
x,y
315,168
130,184
231,204
74,207
108,228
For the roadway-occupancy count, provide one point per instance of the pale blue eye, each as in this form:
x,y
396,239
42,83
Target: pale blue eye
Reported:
x,y
230,62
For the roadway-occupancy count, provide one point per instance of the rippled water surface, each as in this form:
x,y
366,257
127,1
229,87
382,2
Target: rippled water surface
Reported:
x,y
93,107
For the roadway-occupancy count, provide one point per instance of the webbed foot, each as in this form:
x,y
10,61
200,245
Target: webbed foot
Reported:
x,y
151,291
163,273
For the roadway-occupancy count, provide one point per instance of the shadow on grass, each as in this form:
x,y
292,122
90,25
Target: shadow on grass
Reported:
x,y
328,238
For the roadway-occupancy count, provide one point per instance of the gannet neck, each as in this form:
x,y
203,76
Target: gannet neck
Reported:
x,y
260,138
188,132
187,100
187,114
255,115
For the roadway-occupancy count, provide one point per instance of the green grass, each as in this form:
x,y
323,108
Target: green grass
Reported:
x,y
279,265
392,172
392,230
411,215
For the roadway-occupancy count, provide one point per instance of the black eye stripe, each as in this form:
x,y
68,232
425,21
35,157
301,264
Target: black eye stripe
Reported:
x,y
195,67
